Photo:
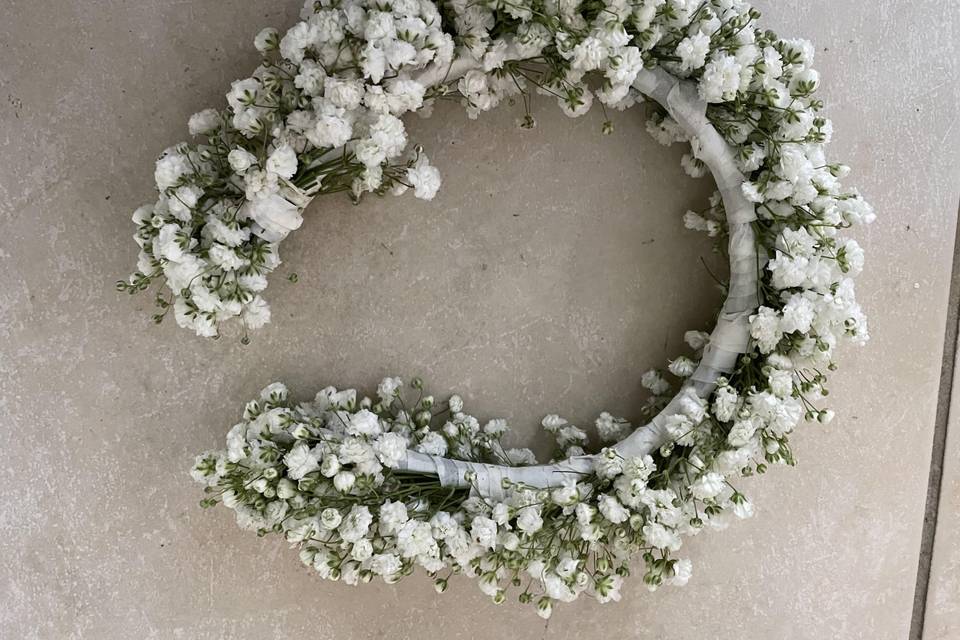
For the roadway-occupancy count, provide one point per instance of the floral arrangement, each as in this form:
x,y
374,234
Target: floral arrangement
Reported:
x,y
374,488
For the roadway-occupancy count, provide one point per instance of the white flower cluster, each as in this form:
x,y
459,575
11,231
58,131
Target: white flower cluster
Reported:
x,y
325,118
324,475
773,120
321,114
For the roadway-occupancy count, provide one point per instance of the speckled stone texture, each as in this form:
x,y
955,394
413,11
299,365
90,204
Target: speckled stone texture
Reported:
x,y
548,274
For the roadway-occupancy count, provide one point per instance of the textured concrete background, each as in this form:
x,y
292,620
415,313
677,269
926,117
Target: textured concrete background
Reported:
x,y
549,273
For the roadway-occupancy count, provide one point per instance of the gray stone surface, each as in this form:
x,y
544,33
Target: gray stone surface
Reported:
x,y
548,274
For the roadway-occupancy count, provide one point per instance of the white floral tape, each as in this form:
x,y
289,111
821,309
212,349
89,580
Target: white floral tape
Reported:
x,y
728,340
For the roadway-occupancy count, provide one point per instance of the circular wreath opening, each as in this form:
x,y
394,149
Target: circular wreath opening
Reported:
x,y
370,488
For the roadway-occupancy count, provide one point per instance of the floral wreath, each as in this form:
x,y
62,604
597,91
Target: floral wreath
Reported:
x,y
376,487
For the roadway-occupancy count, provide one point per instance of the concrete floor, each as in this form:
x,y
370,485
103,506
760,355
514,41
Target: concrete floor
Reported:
x,y
548,274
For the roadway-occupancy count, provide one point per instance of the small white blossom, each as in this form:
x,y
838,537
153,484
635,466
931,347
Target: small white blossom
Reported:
x,y
343,481
693,51
484,532
300,461
392,515
424,178
707,486
266,40
661,537
529,520
283,161
388,388
203,122
364,423
330,519
390,448
655,382
612,510
721,78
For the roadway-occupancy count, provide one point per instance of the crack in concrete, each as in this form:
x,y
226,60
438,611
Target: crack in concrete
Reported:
x,y
948,366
